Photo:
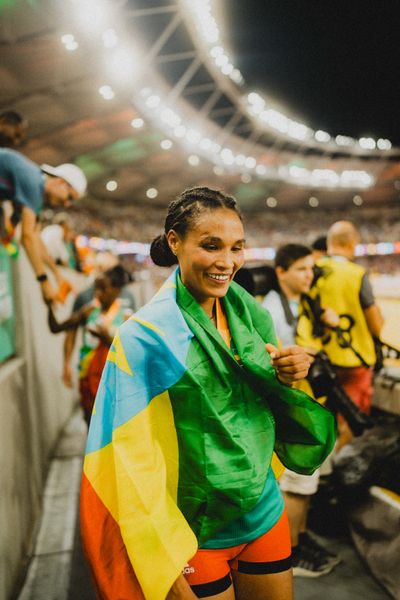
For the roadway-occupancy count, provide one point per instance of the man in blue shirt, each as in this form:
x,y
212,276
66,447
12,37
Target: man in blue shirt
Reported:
x,y
30,188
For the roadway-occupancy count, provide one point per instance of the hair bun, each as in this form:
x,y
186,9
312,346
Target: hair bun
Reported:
x,y
160,252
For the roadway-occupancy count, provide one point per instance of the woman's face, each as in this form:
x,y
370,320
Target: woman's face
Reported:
x,y
210,254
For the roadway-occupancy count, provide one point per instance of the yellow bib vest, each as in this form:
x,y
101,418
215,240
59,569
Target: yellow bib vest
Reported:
x,y
339,288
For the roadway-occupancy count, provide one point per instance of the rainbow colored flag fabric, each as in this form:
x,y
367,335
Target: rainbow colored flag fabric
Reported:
x,y
181,438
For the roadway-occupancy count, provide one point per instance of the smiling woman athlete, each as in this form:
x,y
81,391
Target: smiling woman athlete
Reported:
x,y
179,499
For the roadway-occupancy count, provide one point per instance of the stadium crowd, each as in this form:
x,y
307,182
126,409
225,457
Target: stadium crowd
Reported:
x,y
269,227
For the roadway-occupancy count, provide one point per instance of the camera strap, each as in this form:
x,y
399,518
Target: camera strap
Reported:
x,y
344,337
291,320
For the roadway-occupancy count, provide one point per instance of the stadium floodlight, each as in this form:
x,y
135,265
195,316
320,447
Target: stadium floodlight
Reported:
x,y
322,136
218,170
324,177
245,178
367,143
193,136
357,200
193,160
227,156
205,143
166,144
69,41
170,117
344,140
152,193
200,12
351,178
261,170
250,162
384,144
180,131
122,65
298,130
137,123
110,38
107,92
93,15
153,101
111,185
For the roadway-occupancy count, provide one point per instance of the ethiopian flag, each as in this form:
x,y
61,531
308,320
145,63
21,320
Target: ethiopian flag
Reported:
x,y
181,438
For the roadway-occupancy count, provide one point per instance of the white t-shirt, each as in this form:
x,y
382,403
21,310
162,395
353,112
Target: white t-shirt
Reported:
x,y
285,332
53,237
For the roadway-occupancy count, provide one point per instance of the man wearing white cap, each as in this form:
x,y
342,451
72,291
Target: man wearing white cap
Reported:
x,y
30,188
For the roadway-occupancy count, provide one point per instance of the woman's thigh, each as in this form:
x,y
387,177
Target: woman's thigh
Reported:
x,y
260,568
274,586
228,594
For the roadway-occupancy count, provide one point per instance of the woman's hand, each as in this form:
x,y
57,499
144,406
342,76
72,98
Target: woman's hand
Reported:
x,y
291,363
181,590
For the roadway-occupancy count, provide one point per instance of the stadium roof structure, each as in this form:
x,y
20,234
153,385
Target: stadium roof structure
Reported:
x,y
144,97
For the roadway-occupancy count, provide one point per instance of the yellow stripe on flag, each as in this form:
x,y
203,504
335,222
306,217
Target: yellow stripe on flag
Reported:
x,y
136,477
168,285
277,467
148,325
118,356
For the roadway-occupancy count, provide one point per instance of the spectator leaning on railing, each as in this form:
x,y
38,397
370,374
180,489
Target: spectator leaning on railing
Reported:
x,y
30,187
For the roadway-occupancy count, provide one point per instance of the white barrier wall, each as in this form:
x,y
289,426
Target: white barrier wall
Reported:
x,y
34,407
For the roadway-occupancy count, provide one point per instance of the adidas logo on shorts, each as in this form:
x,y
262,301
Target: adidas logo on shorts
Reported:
x,y
187,570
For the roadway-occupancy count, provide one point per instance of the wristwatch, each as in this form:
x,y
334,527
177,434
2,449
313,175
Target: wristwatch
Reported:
x,y
42,277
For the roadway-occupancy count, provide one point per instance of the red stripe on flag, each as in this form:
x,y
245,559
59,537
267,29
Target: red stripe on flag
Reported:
x,y
105,549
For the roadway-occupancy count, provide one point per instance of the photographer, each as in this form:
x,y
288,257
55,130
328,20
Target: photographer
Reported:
x,y
294,272
345,287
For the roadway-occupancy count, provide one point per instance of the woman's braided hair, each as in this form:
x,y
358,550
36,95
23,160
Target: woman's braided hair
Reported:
x,y
183,214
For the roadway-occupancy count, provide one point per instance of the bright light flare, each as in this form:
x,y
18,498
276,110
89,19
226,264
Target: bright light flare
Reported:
x,y
111,185
152,193
137,123
107,92
93,15
384,144
153,101
322,136
121,64
166,144
110,38
344,140
69,42
367,143
193,160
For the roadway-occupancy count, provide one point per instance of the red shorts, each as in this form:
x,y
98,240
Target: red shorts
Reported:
x,y
209,571
357,383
